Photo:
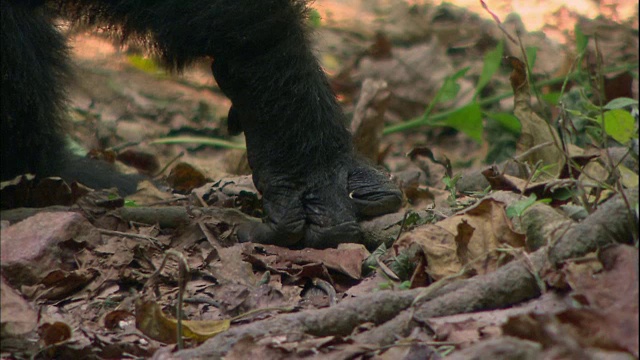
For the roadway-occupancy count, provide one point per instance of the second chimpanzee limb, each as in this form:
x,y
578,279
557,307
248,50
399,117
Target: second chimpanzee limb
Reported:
x,y
314,187
33,63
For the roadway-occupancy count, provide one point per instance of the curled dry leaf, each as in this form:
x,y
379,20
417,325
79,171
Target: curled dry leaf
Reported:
x,y
113,319
54,333
143,161
184,178
535,130
59,284
368,118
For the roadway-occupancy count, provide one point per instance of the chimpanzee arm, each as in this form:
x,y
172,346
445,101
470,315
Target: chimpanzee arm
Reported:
x,y
314,187
269,70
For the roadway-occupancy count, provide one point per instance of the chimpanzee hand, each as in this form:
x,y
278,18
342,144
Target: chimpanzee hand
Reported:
x,y
321,209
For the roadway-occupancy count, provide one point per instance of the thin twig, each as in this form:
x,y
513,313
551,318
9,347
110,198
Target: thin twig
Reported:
x,y
154,241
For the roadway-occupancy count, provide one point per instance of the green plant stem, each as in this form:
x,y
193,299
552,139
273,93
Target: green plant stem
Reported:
x,y
201,140
432,119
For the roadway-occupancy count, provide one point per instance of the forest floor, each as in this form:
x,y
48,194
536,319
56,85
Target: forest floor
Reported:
x,y
544,265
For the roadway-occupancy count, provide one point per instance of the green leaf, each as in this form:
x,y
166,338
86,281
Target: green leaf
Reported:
x,y
460,73
402,266
75,147
552,98
450,88
619,124
145,64
448,91
507,121
387,285
450,183
315,20
467,119
576,113
620,103
411,220
562,194
581,40
517,208
130,203
545,170
492,61
532,55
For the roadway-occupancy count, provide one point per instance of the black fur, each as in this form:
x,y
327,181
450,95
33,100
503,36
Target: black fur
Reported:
x,y
34,74
314,188
33,64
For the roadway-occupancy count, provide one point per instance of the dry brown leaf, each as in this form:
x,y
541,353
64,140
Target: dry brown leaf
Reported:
x,y
18,316
463,333
152,322
608,317
586,328
60,284
535,130
184,178
54,333
143,161
113,318
470,238
368,118
500,181
614,291
439,246
347,258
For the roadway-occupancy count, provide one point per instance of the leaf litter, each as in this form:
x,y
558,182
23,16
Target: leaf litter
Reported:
x,y
75,280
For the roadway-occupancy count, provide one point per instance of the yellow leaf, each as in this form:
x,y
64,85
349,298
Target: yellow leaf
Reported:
x,y
155,324
202,330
